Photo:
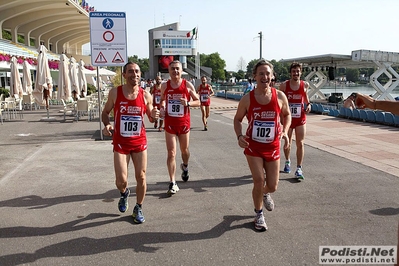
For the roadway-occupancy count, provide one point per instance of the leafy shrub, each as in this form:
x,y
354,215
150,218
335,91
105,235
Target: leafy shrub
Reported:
x,y
5,91
90,89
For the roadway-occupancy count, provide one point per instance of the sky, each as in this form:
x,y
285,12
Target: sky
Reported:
x,y
290,29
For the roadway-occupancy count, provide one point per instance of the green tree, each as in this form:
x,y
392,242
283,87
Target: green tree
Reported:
x,y
6,35
144,64
117,79
216,63
250,67
21,38
281,69
228,75
352,74
240,74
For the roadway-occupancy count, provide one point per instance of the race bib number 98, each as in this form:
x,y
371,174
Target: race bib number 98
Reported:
x,y
263,131
130,125
175,108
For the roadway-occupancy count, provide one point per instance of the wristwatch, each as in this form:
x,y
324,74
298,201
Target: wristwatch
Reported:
x,y
188,104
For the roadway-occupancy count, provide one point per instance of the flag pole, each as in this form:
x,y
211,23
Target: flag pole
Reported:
x,y
197,57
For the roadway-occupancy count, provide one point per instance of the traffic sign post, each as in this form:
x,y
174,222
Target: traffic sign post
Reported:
x,y
108,38
108,44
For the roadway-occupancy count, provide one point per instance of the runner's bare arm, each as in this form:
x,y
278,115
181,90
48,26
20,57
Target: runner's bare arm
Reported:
x,y
285,117
242,110
109,105
211,90
194,96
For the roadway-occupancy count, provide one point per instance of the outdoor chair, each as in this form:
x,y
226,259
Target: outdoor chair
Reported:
x,y
1,114
9,106
19,110
69,108
83,107
27,101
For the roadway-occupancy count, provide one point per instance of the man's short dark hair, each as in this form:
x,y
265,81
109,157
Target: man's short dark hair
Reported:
x,y
295,65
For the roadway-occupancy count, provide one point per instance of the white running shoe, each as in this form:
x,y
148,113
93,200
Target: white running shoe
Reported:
x,y
268,202
173,188
260,224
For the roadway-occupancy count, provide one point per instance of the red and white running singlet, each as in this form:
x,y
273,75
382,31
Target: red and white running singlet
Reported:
x,y
156,97
296,103
204,95
176,114
129,123
264,127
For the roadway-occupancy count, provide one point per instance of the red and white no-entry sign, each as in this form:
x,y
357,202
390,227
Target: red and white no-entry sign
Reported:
x,y
108,36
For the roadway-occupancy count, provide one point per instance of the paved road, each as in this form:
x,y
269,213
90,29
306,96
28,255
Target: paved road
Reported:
x,y
58,201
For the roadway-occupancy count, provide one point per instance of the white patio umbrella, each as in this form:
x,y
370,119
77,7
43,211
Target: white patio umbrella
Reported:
x,y
44,82
106,72
15,79
64,83
26,78
82,78
73,75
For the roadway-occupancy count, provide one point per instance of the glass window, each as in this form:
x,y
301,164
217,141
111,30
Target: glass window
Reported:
x,y
175,43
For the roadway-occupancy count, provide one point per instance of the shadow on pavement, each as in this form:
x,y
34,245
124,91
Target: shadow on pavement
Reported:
x,y
389,211
145,240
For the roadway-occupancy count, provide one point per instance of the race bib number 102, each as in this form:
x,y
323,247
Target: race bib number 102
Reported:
x,y
263,131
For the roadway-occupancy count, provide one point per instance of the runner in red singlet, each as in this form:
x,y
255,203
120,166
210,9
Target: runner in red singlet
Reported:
x,y
175,106
296,91
262,107
205,92
130,103
156,100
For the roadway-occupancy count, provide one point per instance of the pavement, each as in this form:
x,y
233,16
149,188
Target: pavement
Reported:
x,y
58,199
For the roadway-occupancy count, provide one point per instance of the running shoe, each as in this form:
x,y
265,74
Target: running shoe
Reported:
x,y
123,204
138,216
287,167
268,202
173,188
260,224
184,174
299,174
